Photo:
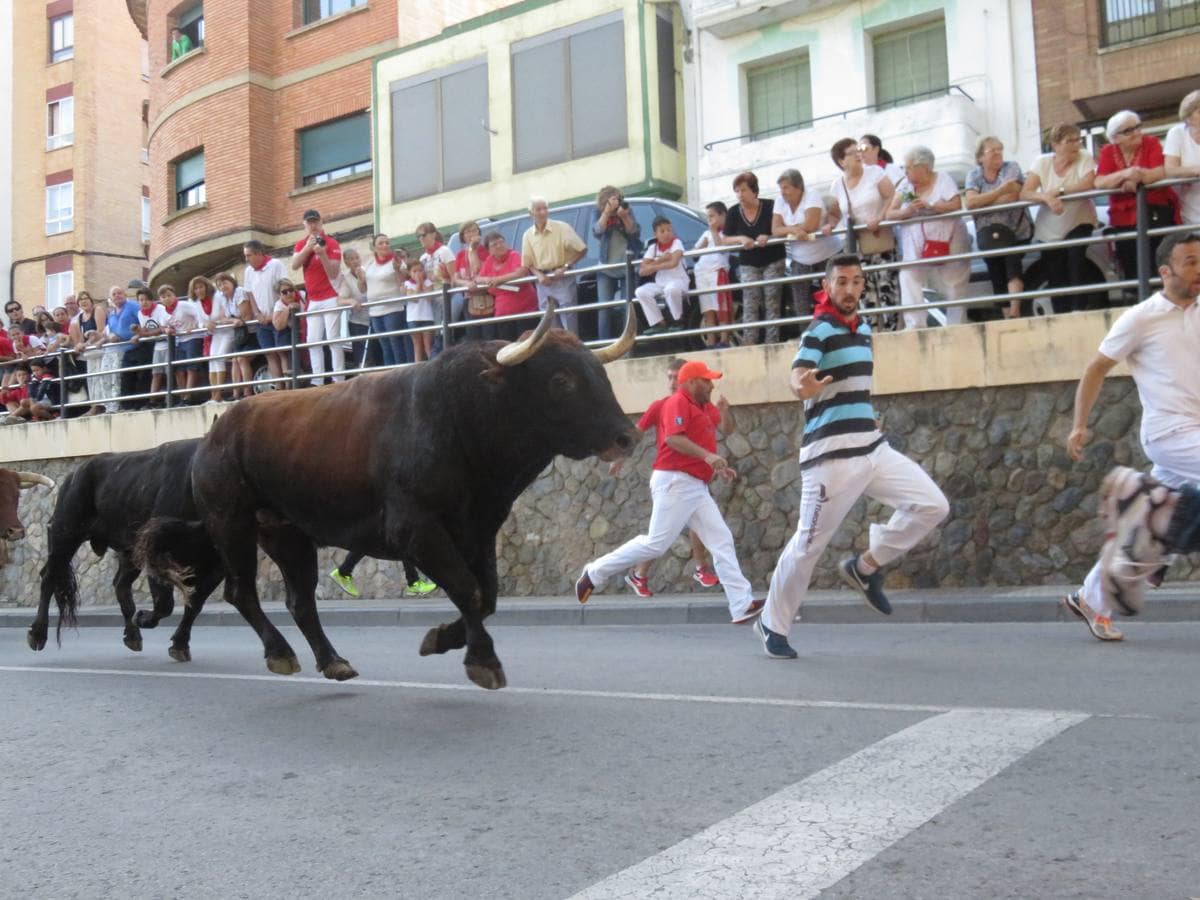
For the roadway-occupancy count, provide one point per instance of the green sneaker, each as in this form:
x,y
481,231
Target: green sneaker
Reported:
x,y
421,587
346,583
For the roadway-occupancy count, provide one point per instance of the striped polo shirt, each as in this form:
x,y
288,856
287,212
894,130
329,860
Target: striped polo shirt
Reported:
x,y
839,422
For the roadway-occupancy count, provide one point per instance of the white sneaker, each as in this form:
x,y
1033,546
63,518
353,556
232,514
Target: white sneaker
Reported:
x,y
1131,552
1101,627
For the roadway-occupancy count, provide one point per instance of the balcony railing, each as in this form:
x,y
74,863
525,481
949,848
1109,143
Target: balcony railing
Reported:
x,y
1130,20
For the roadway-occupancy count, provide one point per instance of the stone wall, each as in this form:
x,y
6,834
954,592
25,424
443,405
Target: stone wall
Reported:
x,y
1021,511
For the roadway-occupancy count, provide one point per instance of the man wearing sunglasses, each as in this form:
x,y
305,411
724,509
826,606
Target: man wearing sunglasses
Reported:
x,y
16,316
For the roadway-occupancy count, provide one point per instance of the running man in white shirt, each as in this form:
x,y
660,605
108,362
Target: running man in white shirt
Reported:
x,y
1159,339
663,260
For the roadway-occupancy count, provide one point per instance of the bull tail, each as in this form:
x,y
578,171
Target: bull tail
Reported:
x,y
58,581
74,508
173,549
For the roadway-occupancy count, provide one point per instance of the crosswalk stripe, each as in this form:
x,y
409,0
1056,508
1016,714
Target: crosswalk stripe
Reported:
x,y
812,834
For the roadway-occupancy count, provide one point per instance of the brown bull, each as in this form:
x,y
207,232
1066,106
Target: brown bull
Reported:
x,y
11,485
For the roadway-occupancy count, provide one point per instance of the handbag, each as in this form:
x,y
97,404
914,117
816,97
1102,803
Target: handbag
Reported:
x,y
995,237
933,249
869,243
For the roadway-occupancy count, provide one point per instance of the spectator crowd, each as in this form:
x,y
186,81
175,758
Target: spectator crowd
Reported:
x,y
895,211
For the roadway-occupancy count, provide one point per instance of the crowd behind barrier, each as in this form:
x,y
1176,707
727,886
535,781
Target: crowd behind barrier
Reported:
x,y
95,358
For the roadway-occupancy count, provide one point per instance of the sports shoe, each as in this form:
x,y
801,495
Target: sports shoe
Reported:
x,y
1100,626
775,645
870,586
1131,553
584,587
421,587
638,585
345,582
752,611
706,576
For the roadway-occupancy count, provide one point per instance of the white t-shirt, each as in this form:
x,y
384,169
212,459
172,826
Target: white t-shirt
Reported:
x,y
915,232
229,307
1160,342
1050,227
382,284
433,262
1179,143
676,274
818,247
864,201
710,262
420,310
263,284
188,316
157,314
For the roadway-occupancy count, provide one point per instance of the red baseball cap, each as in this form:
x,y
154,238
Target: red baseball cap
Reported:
x,y
695,369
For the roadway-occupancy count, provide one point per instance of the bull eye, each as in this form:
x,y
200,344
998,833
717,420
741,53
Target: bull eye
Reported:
x,y
562,382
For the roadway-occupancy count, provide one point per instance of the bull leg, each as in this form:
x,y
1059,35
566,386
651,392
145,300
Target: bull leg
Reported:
x,y
180,649
242,595
57,580
296,556
437,556
127,573
164,604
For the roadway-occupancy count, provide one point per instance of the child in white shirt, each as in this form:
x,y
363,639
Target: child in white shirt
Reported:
x,y
663,260
712,270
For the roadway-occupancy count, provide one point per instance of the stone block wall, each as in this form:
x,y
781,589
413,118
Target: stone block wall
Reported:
x,y
1021,511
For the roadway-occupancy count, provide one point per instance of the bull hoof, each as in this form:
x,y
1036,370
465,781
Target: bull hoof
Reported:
x,y
134,642
489,679
283,665
339,670
429,645
180,654
36,641
145,619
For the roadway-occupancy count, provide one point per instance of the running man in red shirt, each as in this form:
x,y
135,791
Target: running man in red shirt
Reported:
x,y
687,460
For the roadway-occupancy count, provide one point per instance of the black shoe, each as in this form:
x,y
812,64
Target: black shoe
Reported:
x,y
775,645
870,586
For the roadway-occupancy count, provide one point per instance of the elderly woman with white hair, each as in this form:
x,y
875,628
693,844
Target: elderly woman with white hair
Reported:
x,y
1181,155
1131,159
926,192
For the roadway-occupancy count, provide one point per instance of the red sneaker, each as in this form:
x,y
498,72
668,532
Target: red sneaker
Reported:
x,y
638,585
706,576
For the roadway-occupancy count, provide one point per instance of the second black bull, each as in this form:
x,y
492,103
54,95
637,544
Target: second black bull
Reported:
x,y
422,463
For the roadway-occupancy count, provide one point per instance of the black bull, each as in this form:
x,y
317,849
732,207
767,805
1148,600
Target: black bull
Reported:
x,y
423,463
105,502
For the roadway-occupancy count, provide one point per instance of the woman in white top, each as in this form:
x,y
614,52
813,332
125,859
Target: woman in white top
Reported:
x,y
1181,153
385,272
438,260
800,216
875,157
230,309
926,192
1067,169
862,196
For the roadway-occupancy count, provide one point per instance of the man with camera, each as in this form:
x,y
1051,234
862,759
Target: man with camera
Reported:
x,y
320,257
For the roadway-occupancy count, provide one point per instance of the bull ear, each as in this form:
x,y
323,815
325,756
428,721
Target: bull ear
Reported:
x,y
517,353
624,343
29,479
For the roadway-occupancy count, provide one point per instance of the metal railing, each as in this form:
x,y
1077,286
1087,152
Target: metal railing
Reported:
x,y
172,393
1122,21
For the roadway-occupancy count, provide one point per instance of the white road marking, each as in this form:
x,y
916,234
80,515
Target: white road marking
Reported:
x,y
547,692
807,837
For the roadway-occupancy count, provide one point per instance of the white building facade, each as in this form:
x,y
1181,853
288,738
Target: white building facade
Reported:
x,y
772,84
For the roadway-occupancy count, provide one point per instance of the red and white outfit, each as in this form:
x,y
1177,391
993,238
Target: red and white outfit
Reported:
x,y
323,298
712,270
671,283
679,491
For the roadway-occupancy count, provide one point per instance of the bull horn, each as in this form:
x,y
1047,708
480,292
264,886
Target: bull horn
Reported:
x,y
29,479
516,353
624,343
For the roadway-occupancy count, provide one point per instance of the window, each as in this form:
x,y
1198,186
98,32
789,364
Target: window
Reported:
x,y
335,149
910,64
60,207
563,107
189,181
315,10
1129,20
145,219
668,131
58,286
62,38
60,123
191,22
779,96
440,136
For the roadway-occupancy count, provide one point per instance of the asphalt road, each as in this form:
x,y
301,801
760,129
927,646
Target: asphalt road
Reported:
x,y
889,761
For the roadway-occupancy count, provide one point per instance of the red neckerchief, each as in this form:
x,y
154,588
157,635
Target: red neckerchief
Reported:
x,y
206,304
825,307
171,309
436,247
881,163
667,248
266,259
150,314
385,259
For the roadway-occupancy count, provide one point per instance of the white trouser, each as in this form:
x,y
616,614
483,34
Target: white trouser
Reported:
x,y
563,292
110,380
830,490
648,294
680,499
326,326
1176,461
914,279
707,278
94,358
222,343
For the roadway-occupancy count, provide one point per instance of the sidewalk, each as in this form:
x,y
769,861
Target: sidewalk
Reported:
x,y
1174,602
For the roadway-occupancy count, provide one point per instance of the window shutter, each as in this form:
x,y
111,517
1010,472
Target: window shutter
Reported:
x,y
334,145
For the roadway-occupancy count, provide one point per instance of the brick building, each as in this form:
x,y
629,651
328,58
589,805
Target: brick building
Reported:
x,y
1095,57
266,115
77,175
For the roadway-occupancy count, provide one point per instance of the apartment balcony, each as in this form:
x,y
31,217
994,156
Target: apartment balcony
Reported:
x,y
949,124
727,18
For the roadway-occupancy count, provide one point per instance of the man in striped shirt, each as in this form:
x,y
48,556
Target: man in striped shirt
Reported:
x,y
843,456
